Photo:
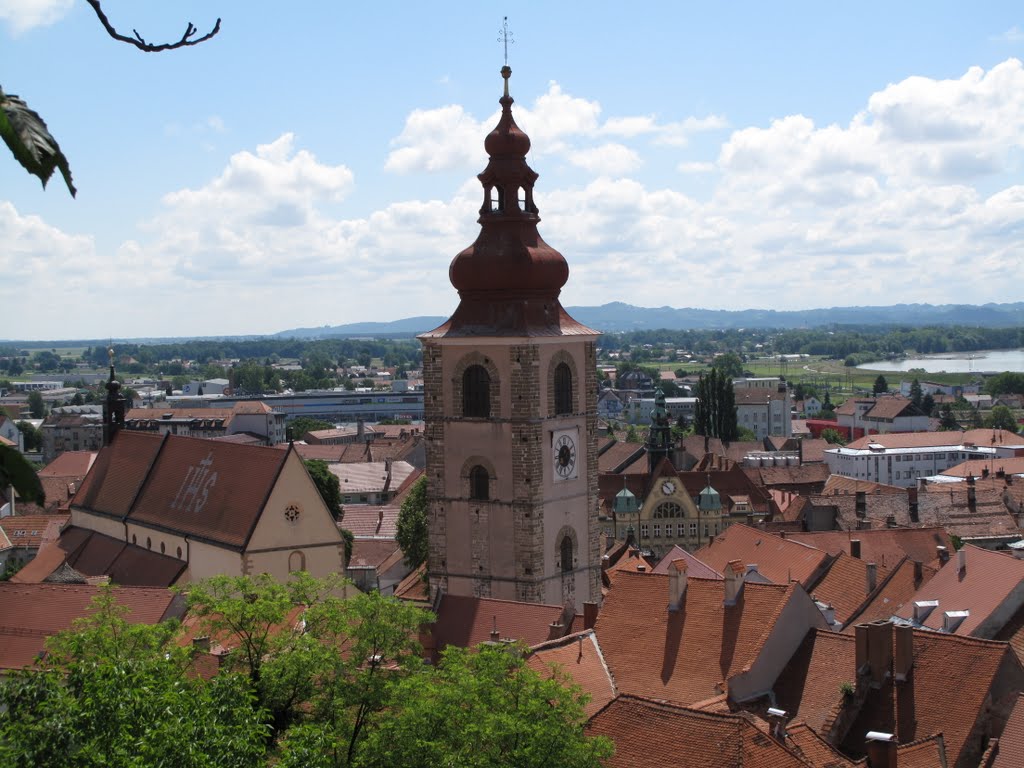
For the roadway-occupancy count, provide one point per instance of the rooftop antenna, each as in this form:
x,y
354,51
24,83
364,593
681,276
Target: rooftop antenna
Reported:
x,y
505,37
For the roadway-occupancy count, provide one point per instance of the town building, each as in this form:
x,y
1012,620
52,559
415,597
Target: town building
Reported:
x,y
763,406
861,416
72,428
510,387
251,417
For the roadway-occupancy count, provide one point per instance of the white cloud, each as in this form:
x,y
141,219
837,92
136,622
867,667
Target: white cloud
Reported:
x,y
23,15
1013,35
614,159
696,167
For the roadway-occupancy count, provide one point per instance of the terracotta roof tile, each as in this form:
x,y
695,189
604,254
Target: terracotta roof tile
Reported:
x,y
848,485
413,587
578,656
808,687
370,476
619,455
1010,465
655,735
366,521
1010,753
694,567
884,546
779,560
468,621
29,613
812,450
845,585
28,530
118,473
74,464
979,437
899,586
210,490
929,752
685,655
989,587
370,553
804,741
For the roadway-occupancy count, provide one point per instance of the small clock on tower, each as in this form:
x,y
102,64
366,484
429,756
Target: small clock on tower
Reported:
x,y
563,454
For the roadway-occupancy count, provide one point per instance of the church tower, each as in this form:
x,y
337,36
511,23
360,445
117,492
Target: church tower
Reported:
x,y
510,405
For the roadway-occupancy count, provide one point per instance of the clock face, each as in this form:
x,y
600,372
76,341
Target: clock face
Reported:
x,y
668,487
564,452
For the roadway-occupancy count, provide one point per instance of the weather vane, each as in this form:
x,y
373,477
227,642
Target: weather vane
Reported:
x,y
505,36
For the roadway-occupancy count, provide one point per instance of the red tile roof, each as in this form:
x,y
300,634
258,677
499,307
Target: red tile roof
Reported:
x,y
210,490
118,473
884,546
1011,465
847,485
685,655
694,567
654,734
845,585
28,530
371,553
990,588
950,508
73,464
1010,752
979,437
619,455
29,613
779,560
468,621
899,586
366,521
578,656
413,587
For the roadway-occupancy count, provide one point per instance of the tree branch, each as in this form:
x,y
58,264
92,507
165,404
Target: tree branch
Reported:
x,y
139,42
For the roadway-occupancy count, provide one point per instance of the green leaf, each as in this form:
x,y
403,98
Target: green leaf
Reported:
x,y
16,470
30,142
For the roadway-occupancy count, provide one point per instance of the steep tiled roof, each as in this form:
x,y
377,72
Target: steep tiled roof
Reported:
x,y
659,735
845,585
942,663
979,437
93,554
328,453
618,456
468,621
1010,465
578,656
74,464
1010,753
214,491
779,560
370,477
847,485
950,507
694,567
885,546
685,655
814,749
367,521
118,473
413,587
879,509
812,450
29,613
991,581
370,553
804,474
28,530
899,586
808,687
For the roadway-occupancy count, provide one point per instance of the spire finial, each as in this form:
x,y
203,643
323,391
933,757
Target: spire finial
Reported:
x,y
506,38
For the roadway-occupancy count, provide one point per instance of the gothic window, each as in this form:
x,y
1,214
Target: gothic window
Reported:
x,y
563,389
296,562
479,483
566,554
668,509
476,392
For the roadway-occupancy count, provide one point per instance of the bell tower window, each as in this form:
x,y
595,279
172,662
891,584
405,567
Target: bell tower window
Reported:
x,y
476,392
479,483
566,554
563,389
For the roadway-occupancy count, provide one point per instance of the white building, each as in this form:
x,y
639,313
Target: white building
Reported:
x,y
901,459
765,408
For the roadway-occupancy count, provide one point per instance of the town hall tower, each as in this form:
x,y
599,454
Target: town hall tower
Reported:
x,y
510,402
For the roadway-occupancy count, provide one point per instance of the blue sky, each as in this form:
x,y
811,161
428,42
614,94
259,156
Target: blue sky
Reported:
x,y
317,166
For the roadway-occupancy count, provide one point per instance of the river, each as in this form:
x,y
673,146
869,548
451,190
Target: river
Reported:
x,y
983,361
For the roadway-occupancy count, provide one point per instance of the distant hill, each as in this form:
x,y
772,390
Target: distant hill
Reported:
x,y
618,316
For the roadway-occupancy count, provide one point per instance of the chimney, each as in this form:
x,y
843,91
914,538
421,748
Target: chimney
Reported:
x,y
972,497
881,749
872,577
943,554
733,581
861,504
903,653
590,610
676,584
495,636
874,650
961,561
750,520
555,630
890,521
855,548
360,430
918,574
777,720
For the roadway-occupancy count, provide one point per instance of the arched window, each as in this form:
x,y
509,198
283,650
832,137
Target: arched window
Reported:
x,y
296,562
668,509
563,389
479,483
163,548
149,543
566,550
476,392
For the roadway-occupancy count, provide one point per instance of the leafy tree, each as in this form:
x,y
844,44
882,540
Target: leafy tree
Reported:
x,y
928,404
729,365
947,420
36,406
881,386
327,483
111,693
304,425
716,407
833,436
1005,383
78,399
631,434
916,395
32,437
1001,417
412,532
482,708
16,471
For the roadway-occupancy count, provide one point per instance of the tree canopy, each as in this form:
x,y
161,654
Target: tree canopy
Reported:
x,y
715,414
413,530
881,386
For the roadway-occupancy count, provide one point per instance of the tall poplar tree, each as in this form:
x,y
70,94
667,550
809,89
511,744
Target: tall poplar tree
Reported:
x,y
716,407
